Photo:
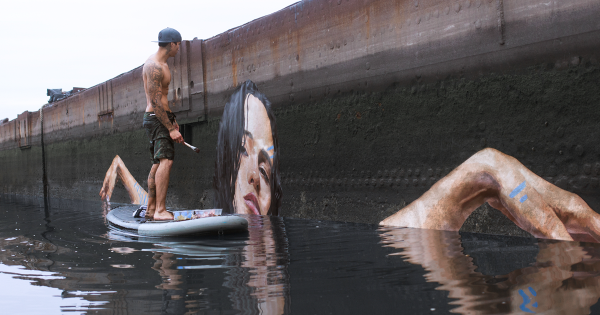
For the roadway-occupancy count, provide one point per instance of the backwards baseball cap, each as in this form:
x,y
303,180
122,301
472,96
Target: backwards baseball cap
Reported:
x,y
168,35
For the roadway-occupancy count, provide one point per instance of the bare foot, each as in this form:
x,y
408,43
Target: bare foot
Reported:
x,y
150,209
149,214
163,215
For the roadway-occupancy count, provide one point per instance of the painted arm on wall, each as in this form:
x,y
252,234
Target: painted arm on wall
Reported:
x,y
532,203
136,193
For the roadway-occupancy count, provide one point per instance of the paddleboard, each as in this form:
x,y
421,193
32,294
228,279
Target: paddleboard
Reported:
x,y
122,217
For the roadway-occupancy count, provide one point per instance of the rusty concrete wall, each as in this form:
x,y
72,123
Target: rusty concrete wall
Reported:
x,y
318,48
323,61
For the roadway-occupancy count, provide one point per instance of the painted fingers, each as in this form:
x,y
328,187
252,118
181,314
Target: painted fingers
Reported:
x,y
578,218
531,211
109,181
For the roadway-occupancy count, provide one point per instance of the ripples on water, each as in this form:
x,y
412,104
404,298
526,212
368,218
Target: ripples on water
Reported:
x,y
68,260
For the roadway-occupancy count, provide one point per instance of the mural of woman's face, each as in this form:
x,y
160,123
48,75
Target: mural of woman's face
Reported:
x,y
253,183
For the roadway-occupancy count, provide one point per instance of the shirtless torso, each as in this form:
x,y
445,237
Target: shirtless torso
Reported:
x,y
157,76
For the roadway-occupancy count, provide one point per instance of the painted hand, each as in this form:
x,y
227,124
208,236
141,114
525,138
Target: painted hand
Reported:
x,y
117,168
109,180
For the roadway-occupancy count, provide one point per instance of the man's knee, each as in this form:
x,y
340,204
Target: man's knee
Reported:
x,y
153,169
166,163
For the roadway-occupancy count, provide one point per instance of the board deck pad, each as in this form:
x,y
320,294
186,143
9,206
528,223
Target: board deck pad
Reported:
x,y
122,217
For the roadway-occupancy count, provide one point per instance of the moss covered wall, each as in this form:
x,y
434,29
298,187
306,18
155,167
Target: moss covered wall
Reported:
x,y
21,171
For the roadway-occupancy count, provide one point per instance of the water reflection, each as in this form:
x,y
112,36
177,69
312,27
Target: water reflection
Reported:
x,y
263,268
256,269
243,273
27,259
565,277
325,267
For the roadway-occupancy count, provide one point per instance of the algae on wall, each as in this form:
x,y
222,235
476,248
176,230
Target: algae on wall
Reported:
x,y
21,171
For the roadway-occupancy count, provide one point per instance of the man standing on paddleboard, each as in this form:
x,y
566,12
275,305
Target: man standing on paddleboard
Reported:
x,y
159,122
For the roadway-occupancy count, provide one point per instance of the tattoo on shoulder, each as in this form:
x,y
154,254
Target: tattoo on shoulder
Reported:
x,y
156,74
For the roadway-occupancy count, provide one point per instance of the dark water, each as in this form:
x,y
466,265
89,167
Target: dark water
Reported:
x,y
66,259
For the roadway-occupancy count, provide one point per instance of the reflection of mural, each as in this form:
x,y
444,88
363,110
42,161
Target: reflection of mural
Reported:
x,y
323,261
262,266
128,276
247,181
255,268
562,280
256,273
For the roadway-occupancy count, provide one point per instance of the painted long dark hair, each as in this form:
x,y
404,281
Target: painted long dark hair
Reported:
x,y
229,143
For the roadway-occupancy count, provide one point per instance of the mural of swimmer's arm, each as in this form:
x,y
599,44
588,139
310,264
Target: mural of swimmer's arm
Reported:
x,y
137,194
534,204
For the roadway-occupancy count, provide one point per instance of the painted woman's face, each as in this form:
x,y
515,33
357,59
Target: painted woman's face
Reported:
x,y
252,186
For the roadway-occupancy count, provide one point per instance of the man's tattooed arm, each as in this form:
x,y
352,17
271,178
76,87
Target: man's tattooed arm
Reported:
x,y
155,77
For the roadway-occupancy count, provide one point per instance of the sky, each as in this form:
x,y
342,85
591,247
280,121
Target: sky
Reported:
x,y
66,44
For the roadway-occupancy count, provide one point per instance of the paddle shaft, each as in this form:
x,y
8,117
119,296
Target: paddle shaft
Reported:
x,y
192,147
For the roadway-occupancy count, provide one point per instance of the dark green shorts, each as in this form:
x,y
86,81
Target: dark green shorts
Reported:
x,y
161,144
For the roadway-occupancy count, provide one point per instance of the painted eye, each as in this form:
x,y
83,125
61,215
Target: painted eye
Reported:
x,y
243,150
264,174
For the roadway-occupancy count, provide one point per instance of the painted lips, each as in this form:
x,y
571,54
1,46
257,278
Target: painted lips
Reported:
x,y
252,203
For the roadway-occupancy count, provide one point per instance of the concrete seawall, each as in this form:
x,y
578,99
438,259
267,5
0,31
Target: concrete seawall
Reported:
x,y
375,101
